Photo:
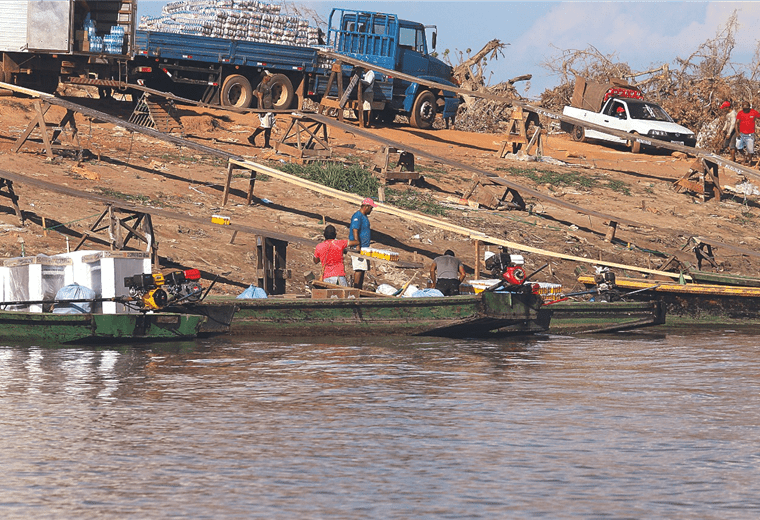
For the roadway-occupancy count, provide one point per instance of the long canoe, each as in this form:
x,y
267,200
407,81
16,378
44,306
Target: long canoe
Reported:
x,y
485,314
83,328
693,302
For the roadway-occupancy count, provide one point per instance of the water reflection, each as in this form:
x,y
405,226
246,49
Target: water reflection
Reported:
x,y
637,425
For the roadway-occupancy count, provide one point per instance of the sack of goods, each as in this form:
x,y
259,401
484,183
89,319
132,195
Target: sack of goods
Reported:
x,y
247,20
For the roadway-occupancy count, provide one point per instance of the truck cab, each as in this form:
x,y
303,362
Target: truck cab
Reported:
x,y
400,45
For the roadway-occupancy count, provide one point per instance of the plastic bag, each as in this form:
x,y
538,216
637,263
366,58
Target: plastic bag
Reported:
x,y
74,291
427,293
386,289
251,293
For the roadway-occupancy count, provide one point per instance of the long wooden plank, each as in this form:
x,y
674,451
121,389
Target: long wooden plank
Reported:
x,y
433,222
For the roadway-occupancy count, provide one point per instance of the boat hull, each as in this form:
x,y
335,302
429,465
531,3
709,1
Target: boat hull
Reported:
x,y
485,314
83,328
598,317
695,303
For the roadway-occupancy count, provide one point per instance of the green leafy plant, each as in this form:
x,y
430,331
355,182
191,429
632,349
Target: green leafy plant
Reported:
x,y
620,187
351,179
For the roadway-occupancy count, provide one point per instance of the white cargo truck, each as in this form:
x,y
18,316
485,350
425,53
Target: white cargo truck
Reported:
x,y
42,40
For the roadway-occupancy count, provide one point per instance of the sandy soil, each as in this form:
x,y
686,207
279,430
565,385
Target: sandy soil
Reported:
x,y
637,187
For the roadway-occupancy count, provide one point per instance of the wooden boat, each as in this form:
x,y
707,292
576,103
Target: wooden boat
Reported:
x,y
83,328
586,317
694,302
706,277
486,314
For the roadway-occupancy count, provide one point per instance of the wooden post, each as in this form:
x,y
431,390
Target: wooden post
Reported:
x,y
227,184
612,227
478,256
251,183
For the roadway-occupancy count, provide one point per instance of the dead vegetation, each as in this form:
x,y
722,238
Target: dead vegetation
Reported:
x,y
690,89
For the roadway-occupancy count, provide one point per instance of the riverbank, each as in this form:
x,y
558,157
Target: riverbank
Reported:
x,y
147,171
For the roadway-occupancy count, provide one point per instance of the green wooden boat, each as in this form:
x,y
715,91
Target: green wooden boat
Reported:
x,y
88,328
596,317
724,279
484,314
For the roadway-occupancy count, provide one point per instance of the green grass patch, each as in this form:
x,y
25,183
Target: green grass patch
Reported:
x,y
620,187
553,178
428,171
351,179
137,199
412,200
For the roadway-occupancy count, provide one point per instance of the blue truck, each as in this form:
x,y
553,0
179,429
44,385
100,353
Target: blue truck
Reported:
x,y
225,71
97,42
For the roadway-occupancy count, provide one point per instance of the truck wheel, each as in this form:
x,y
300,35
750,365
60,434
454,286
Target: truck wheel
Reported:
x,y
283,94
579,134
635,145
236,92
423,111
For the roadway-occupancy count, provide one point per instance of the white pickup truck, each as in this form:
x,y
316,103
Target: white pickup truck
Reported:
x,y
622,109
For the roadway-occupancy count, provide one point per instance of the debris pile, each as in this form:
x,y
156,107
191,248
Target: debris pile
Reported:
x,y
484,115
691,89
247,20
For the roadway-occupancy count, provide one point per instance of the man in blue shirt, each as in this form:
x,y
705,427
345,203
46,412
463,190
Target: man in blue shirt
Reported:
x,y
359,230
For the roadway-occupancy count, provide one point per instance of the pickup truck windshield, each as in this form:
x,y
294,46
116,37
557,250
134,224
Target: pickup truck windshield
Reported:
x,y
647,111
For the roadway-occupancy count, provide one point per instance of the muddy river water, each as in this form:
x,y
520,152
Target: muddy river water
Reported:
x,y
659,424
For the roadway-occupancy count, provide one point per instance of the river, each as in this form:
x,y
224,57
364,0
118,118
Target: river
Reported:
x,y
655,424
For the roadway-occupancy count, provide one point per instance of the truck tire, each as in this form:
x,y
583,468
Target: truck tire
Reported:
x,y
283,94
236,92
423,111
635,145
578,134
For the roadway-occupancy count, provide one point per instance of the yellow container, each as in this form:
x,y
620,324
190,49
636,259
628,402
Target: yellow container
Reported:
x,y
219,219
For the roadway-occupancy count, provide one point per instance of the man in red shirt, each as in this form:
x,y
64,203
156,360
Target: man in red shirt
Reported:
x,y
746,120
330,253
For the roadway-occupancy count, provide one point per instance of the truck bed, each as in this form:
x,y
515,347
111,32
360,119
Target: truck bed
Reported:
x,y
225,51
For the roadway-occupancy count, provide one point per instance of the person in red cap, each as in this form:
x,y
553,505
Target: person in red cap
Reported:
x,y
729,129
360,231
620,112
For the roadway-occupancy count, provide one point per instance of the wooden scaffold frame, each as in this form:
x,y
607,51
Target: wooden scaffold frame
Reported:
x,y
65,126
137,225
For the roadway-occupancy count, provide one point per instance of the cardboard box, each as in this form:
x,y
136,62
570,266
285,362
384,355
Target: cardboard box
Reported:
x,y
335,293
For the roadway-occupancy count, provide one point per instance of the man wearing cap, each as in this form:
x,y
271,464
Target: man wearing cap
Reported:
x,y
359,230
729,129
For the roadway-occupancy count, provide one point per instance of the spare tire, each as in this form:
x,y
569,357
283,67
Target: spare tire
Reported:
x,y
283,94
236,92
